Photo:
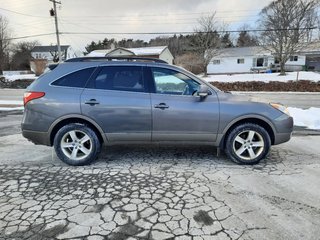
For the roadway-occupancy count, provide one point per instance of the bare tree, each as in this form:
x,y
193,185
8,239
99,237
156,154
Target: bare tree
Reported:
x,y
21,55
206,39
4,43
55,55
287,25
190,61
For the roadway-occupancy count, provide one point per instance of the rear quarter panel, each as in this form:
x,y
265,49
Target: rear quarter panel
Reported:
x,y
59,101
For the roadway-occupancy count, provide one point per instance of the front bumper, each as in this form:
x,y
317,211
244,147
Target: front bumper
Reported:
x,y
282,138
284,129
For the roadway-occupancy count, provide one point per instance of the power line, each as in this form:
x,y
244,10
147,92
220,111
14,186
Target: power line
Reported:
x,y
140,15
189,32
157,23
164,14
160,33
30,36
155,18
23,14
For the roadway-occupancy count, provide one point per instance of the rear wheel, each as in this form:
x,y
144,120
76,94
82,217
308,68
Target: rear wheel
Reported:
x,y
248,143
77,144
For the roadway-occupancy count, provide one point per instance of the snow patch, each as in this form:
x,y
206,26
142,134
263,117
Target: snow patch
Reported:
x,y
10,102
309,118
263,77
6,109
15,77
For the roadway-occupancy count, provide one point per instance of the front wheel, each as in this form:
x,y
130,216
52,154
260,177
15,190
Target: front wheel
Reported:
x,y
76,144
247,143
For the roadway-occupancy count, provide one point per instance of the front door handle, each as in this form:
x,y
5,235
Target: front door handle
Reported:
x,y
92,102
161,106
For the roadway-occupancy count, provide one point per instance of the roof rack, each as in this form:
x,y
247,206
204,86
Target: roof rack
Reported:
x,y
137,59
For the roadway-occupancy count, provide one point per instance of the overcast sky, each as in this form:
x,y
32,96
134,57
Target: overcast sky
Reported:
x,y
119,16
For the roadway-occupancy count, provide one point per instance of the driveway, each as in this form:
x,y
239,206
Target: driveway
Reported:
x,y
157,192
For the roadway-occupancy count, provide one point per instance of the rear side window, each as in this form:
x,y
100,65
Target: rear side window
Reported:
x,y
75,79
121,78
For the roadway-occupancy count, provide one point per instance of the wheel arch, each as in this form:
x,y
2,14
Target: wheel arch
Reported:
x,y
75,118
259,120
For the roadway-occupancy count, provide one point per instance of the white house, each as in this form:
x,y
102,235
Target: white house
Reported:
x,y
160,52
249,59
51,52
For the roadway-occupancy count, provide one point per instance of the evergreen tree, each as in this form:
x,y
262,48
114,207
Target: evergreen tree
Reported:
x,y
246,40
226,41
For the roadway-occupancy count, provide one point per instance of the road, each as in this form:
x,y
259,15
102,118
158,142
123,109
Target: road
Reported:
x,y
12,94
157,192
290,99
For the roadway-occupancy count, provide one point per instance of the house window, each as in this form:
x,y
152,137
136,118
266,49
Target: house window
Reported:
x,y
216,62
241,61
294,58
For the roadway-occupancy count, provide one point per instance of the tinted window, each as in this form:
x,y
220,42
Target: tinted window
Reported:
x,y
171,82
126,78
75,79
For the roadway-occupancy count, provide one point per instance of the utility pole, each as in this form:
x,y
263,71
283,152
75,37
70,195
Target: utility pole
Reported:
x,y
53,12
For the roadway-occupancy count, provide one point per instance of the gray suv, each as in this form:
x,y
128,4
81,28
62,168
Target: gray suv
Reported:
x,y
84,103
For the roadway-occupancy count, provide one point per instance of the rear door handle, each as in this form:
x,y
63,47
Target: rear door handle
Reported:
x,y
92,102
161,106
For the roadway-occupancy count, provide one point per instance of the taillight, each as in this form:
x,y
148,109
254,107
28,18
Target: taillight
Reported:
x,y
29,96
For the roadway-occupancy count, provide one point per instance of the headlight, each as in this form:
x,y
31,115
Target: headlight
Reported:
x,y
280,108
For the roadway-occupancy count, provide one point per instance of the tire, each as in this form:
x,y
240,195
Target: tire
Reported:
x,y
247,143
77,144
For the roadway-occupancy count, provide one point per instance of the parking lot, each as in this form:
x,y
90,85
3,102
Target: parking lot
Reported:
x,y
157,192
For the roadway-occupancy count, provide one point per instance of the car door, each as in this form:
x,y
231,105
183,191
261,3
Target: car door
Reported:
x,y
179,115
118,100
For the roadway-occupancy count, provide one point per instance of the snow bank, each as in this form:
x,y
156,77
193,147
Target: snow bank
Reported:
x,y
10,105
309,118
20,77
11,102
263,77
6,109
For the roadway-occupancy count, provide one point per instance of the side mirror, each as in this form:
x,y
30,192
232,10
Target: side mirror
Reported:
x,y
203,91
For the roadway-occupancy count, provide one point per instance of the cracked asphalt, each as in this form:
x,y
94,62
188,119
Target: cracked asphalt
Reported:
x,y
157,192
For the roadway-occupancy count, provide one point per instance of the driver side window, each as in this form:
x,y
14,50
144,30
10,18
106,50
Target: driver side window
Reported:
x,y
173,83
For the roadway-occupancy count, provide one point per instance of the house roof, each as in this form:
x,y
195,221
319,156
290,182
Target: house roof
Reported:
x,y
312,48
49,48
99,53
243,51
147,50
143,51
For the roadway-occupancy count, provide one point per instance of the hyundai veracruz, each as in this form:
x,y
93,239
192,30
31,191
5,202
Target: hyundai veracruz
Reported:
x,y
85,103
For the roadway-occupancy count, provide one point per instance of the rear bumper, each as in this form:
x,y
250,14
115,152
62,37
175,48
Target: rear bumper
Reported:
x,y
38,138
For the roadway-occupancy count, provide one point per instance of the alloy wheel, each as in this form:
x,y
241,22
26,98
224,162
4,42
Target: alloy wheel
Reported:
x,y
248,145
76,145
